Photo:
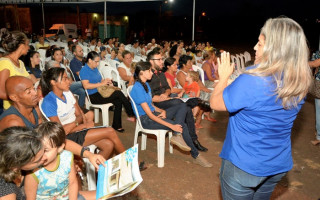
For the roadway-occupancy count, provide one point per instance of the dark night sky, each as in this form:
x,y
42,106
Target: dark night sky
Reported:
x,y
227,20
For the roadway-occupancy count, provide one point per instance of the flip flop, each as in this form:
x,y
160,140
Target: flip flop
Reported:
x,y
142,166
120,130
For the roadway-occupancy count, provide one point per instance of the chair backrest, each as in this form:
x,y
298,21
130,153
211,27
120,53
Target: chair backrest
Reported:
x,y
200,70
134,105
241,59
43,114
247,56
107,71
86,92
114,63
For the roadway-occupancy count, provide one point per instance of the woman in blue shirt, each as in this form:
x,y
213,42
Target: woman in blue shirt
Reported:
x,y
91,80
263,103
153,117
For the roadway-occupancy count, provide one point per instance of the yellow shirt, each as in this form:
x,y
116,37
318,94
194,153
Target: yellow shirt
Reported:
x,y
5,63
207,49
38,45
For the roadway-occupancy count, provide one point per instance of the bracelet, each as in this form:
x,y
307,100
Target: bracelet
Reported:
x,y
82,151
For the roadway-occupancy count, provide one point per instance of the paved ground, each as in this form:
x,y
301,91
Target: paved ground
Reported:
x,y
180,179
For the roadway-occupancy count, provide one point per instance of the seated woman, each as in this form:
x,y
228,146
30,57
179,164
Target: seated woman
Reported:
x,y
59,105
186,66
210,72
170,64
124,68
75,86
175,52
153,117
33,62
91,80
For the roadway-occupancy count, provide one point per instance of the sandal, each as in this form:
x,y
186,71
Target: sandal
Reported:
x,y
198,126
142,166
120,130
315,142
210,119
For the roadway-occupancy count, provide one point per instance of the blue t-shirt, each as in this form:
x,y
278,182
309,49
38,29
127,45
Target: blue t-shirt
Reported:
x,y
76,66
139,96
92,75
258,135
35,71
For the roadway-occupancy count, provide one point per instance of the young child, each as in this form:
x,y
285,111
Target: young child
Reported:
x,y
57,178
192,89
198,57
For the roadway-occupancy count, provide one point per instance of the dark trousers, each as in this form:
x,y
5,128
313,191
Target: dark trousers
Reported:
x,y
189,120
117,99
174,115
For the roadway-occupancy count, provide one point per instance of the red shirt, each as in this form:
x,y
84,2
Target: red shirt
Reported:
x,y
171,78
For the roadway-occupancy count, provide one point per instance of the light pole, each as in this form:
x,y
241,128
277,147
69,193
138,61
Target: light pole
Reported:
x,y
194,11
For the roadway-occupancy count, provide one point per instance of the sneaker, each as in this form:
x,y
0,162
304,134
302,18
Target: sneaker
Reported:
x,y
178,141
200,160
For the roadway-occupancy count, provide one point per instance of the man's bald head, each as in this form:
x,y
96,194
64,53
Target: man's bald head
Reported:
x,y
17,84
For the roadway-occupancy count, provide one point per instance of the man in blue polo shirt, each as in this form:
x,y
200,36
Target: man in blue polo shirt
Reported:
x,y
76,63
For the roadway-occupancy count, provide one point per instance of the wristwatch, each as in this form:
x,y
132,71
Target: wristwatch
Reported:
x,y
84,149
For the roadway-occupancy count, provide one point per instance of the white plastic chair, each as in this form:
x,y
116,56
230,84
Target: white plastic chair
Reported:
x,y
247,56
159,133
114,63
91,173
200,70
103,107
107,71
241,59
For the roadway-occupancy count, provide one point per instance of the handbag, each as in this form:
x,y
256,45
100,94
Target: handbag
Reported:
x,y
106,90
315,88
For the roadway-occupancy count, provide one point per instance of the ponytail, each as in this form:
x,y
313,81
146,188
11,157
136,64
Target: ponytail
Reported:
x,y
142,66
49,75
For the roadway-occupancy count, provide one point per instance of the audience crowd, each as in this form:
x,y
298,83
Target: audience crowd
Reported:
x,y
45,79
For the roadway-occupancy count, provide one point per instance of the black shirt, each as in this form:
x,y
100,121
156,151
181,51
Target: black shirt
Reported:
x,y
158,83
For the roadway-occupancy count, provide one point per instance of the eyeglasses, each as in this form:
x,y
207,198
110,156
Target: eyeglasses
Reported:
x,y
97,61
162,59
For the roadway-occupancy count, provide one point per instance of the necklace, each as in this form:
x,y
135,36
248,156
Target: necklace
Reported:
x,y
16,63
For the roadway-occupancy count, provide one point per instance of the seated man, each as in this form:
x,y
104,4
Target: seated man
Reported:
x,y
76,63
25,112
160,90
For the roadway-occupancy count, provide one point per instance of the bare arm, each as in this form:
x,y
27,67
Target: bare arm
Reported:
x,y
9,197
173,90
175,127
9,121
4,75
123,74
73,184
87,85
315,63
95,159
225,70
206,68
181,78
30,187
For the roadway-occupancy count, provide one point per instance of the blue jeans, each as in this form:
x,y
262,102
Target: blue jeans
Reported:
x,y
239,185
76,88
317,105
189,120
178,113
